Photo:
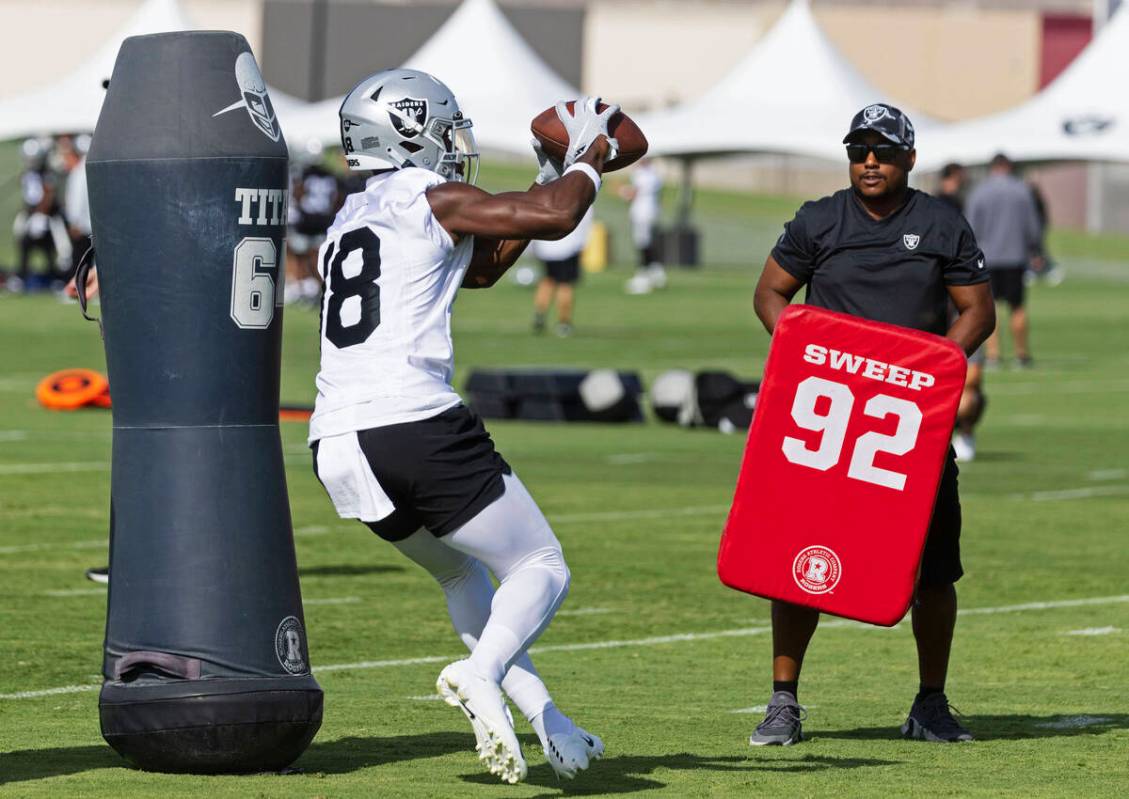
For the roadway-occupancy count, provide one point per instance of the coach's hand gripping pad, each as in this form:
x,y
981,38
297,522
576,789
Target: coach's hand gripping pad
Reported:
x,y
842,465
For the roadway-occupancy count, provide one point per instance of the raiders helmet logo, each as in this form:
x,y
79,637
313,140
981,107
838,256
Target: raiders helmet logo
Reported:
x,y
408,116
873,113
911,240
253,89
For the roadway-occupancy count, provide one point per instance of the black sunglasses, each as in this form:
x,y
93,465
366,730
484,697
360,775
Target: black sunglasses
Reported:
x,y
885,153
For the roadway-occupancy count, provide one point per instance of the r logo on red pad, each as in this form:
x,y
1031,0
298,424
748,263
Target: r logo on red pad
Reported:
x,y
817,570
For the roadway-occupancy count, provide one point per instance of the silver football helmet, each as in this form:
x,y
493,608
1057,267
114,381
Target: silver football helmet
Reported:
x,y
403,117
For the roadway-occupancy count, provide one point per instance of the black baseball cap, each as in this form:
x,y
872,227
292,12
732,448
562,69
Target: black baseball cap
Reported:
x,y
890,122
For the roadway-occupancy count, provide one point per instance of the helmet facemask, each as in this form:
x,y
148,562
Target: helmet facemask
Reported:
x,y
459,159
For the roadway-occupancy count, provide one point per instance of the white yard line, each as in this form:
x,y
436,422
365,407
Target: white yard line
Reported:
x,y
333,600
1058,603
1093,631
76,592
584,612
763,708
1063,387
1108,474
66,689
103,543
1074,722
49,468
1075,493
740,632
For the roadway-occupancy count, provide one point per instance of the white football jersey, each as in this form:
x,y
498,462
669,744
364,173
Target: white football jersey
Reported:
x,y
391,274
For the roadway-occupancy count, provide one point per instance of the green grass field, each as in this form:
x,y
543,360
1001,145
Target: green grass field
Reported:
x,y
671,665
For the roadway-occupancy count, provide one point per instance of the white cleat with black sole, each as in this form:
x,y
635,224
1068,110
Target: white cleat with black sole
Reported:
x,y
481,702
571,752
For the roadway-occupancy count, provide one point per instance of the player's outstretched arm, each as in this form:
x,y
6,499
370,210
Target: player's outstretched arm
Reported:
x,y
977,315
774,292
550,211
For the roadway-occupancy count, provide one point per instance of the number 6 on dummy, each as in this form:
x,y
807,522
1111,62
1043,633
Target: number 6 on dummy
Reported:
x,y
842,464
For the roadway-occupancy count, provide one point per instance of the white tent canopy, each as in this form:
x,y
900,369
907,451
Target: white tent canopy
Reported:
x,y
794,93
1082,115
500,82
72,104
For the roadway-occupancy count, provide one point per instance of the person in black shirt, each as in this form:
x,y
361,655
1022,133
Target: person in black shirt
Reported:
x,y
883,251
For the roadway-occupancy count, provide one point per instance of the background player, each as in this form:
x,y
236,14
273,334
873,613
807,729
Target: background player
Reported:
x,y
313,202
562,273
883,251
645,196
393,444
1003,214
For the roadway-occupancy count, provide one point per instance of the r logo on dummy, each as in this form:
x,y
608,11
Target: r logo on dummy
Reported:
x,y
290,647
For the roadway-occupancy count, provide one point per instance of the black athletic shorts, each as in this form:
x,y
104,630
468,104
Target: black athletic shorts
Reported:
x,y
940,563
564,271
1008,284
439,472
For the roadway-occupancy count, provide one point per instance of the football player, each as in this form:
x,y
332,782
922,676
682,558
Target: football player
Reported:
x,y
393,444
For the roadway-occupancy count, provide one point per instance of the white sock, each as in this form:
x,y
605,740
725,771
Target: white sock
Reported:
x,y
523,685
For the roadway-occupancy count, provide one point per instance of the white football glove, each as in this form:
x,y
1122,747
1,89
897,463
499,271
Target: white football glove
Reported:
x,y
583,125
551,169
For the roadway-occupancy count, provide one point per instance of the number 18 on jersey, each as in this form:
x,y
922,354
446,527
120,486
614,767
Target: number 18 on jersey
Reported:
x,y
842,464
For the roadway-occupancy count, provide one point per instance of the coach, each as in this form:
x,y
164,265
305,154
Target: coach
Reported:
x,y
883,251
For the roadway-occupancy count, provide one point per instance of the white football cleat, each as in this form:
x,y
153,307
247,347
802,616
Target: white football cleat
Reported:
x,y
964,445
481,702
571,752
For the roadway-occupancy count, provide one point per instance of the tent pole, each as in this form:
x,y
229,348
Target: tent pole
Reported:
x,y
318,23
685,193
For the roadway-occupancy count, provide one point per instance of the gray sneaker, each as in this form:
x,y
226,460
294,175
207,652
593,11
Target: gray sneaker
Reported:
x,y
781,725
931,720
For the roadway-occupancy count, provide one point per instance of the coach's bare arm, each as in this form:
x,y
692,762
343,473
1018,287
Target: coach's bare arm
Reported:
x,y
504,223
775,291
977,315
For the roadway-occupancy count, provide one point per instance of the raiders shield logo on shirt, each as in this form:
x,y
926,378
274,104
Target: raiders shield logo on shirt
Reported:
x,y
911,240
408,116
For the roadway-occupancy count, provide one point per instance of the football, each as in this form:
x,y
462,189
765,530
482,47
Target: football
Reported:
x,y
549,129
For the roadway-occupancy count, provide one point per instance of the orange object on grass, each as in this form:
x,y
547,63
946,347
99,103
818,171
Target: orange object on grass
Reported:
x,y
72,388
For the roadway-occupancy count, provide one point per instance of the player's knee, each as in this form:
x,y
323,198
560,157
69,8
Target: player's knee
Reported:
x,y
459,575
550,561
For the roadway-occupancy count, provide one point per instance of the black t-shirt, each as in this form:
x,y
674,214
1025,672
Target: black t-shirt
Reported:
x,y
889,270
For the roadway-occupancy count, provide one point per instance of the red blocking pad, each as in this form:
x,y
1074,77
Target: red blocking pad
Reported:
x,y
841,468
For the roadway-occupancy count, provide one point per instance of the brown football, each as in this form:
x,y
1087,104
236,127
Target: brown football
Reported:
x,y
549,129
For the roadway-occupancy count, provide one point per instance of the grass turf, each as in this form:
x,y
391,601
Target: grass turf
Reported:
x,y
639,509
